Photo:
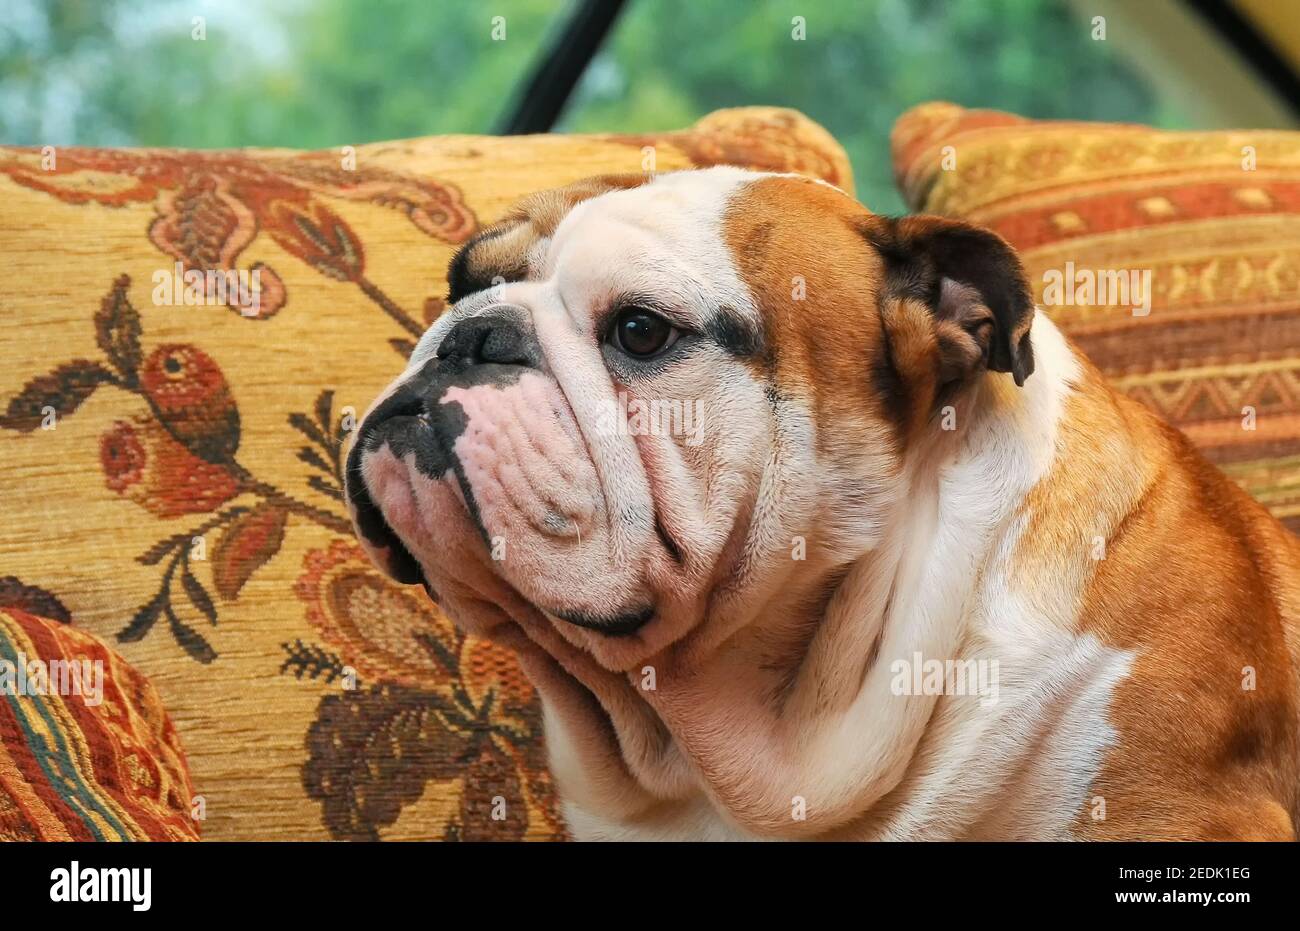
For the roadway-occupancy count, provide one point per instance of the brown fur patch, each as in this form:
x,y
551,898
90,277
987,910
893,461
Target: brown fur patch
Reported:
x,y
790,233
1189,582
878,339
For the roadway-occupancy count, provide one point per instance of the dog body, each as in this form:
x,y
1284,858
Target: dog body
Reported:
x,y
912,570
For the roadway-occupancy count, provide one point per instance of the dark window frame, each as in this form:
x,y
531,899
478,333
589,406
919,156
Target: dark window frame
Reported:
x,y
548,88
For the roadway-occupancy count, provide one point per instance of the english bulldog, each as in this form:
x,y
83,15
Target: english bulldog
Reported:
x,y
912,570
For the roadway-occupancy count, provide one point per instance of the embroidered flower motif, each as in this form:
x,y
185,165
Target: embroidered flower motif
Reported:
x,y
381,629
210,206
122,456
146,464
431,704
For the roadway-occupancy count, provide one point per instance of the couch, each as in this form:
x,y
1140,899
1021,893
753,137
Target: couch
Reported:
x,y
172,431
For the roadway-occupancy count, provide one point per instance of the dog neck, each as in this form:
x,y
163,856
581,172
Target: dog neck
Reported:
x,y
933,527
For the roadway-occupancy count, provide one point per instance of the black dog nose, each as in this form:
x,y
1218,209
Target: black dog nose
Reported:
x,y
492,338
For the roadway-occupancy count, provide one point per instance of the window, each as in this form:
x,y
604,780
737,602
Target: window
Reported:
x,y
319,73
857,67
298,73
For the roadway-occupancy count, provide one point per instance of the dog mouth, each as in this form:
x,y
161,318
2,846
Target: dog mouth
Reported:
x,y
622,625
436,445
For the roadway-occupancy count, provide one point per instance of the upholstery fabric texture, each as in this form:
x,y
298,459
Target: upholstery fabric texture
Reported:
x,y
86,750
185,339
1213,217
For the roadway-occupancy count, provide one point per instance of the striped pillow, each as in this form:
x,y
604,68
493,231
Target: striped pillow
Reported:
x,y
86,750
1172,259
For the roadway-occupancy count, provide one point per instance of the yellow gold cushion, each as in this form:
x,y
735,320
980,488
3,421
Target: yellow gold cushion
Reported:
x,y
170,434
1204,224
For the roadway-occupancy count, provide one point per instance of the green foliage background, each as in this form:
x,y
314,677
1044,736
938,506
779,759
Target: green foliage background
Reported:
x,y
317,73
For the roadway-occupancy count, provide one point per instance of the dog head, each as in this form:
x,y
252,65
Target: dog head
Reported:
x,y
658,405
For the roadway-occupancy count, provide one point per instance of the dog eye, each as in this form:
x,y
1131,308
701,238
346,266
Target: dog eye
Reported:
x,y
642,333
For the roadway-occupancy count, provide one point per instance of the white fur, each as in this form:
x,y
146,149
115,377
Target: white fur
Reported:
x,y
1020,768
954,767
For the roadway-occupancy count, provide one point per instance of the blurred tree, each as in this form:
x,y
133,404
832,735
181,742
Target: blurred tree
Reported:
x,y
859,66
317,73
302,73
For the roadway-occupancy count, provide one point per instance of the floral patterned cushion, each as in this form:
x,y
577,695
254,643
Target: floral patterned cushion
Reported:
x,y
86,750
185,338
1209,221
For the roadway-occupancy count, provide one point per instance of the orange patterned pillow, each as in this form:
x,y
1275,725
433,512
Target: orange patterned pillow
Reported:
x,y
1172,259
184,339
86,750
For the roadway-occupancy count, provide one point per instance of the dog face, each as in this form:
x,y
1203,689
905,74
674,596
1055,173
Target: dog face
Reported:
x,y
659,405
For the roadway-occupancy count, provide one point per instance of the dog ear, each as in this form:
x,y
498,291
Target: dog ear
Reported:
x,y
973,286
501,252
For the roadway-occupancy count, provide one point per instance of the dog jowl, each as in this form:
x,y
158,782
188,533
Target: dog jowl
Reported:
x,y
715,451
480,434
